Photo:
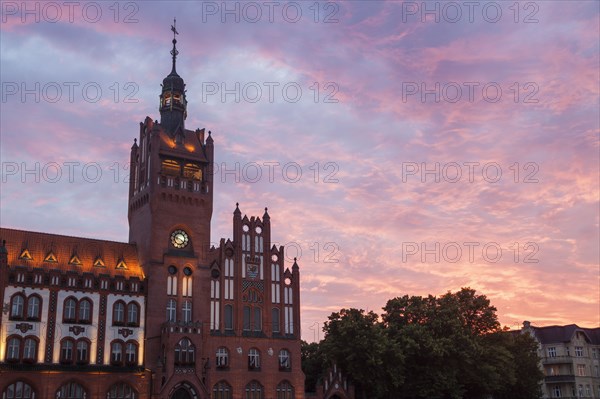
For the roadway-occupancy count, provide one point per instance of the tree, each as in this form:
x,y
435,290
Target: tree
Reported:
x,y
314,364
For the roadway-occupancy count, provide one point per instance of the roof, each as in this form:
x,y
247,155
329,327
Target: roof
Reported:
x,y
558,334
85,255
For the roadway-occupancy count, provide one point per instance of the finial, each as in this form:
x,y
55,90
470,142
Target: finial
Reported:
x,y
174,52
134,141
237,204
266,209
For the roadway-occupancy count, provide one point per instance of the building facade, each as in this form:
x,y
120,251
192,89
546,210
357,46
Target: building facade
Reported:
x,y
166,315
570,360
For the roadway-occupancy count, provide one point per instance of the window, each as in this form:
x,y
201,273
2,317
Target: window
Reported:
x,y
285,390
33,307
185,352
275,320
83,352
17,305
169,166
588,391
252,319
66,350
30,350
222,390
18,390
85,311
556,391
116,353
552,351
254,390
69,310
222,357
187,311
72,390
253,359
581,370
121,391
172,310
118,313
246,318
284,360
579,351
192,171
133,313
257,320
131,350
228,317
594,353
13,348
596,371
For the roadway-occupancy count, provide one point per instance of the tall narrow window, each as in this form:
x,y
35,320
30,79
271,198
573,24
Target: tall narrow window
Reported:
x,y
119,313
116,353
228,317
30,350
85,311
257,321
133,314
185,352
12,349
222,359
172,310
83,350
33,307
254,390
284,360
187,311
246,318
17,304
66,351
131,353
253,359
275,320
69,310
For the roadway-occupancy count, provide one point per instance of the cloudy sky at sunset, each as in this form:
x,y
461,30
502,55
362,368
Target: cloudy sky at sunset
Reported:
x,y
401,147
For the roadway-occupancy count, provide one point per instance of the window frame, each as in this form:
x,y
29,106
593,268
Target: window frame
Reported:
x,y
12,315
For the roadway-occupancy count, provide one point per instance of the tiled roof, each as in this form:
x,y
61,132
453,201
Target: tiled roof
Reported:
x,y
558,334
71,253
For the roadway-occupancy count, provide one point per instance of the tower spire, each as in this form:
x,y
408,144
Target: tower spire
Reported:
x,y
174,52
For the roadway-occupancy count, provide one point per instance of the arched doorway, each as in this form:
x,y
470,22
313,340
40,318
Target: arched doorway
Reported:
x,y
181,393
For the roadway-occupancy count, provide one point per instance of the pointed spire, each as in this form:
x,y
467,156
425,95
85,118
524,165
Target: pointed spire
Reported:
x,y
266,215
174,52
135,145
295,265
237,209
209,139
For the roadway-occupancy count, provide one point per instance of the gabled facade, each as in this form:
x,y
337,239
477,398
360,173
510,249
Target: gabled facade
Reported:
x,y
166,315
570,360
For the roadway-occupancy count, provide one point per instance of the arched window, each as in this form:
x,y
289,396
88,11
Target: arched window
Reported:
x,y
71,390
222,390
131,353
66,350
133,314
254,390
253,359
116,353
285,390
34,307
17,303
275,320
171,310
30,347
184,352
13,349
119,313
285,363
85,311
121,390
171,167
83,351
18,390
222,360
187,311
192,171
69,309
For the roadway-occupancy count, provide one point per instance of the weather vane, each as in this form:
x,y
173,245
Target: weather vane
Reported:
x,y
174,29
174,52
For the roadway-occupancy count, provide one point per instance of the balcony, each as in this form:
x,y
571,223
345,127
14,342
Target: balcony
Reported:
x,y
558,360
557,379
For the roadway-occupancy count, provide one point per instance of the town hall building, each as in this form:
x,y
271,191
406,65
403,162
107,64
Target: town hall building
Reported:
x,y
165,315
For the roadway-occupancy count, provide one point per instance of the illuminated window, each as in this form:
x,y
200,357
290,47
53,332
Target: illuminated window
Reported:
x,y
69,310
285,390
253,359
170,167
192,171
222,357
30,350
131,350
222,390
83,352
116,353
72,390
185,352
17,305
121,391
19,390
254,390
66,350
284,360
85,311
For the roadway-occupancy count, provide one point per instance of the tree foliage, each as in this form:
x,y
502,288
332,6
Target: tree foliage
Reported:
x,y
446,347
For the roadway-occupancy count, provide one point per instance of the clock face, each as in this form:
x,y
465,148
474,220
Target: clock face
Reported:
x,y
179,239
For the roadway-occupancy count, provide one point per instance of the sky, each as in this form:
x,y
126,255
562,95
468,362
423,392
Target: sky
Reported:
x,y
402,148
